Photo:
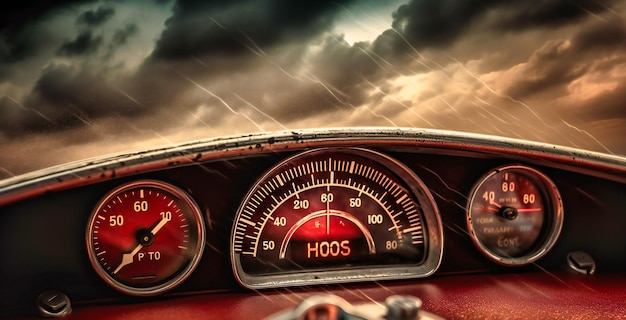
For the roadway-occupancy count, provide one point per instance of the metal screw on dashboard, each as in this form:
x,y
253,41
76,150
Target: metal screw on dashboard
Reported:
x,y
53,304
403,307
581,262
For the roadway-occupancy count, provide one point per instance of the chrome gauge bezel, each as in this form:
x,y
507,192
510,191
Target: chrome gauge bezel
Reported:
x,y
177,278
431,220
553,212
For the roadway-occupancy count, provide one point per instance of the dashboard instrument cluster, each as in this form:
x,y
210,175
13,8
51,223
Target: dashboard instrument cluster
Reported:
x,y
298,209
328,215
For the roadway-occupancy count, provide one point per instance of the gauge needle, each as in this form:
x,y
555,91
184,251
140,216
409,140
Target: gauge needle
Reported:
x,y
159,226
128,258
493,203
327,217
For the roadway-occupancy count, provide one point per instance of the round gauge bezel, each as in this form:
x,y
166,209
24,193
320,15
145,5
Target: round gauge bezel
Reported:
x,y
553,212
176,279
416,188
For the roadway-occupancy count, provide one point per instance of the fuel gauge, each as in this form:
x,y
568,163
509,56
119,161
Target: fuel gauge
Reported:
x,y
514,215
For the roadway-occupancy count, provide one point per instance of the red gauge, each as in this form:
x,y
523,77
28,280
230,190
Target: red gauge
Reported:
x,y
514,215
335,215
145,237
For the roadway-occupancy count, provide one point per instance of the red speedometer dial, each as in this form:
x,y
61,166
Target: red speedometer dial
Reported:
x,y
335,215
145,237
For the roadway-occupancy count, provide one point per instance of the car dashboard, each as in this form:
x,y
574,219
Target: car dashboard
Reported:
x,y
251,226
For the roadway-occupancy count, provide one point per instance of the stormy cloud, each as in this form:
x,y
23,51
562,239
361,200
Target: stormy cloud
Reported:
x,y
121,35
426,23
96,17
84,43
199,28
63,97
14,15
518,15
557,64
139,74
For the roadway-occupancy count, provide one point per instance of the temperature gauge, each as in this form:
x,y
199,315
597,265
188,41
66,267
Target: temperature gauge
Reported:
x,y
145,237
514,215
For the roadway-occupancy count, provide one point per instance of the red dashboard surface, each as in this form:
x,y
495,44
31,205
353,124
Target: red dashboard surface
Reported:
x,y
502,296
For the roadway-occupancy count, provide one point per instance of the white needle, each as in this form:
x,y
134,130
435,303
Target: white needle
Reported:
x,y
128,258
159,226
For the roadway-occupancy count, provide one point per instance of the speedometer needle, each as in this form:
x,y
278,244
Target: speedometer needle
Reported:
x,y
128,258
493,203
327,217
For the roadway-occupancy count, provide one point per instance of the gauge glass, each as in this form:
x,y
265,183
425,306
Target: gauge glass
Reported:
x,y
514,215
145,237
335,215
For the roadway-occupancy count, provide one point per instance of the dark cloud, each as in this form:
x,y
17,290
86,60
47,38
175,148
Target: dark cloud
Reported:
x,y
602,35
606,106
64,97
19,45
205,41
548,70
426,23
121,35
557,64
15,15
84,43
200,28
21,35
97,17
338,77
547,13
341,77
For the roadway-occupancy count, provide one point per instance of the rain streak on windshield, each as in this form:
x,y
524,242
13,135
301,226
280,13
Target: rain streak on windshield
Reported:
x,y
82,79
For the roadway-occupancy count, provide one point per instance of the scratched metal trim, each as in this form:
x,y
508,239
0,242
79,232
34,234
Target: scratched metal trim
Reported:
x,y
93,170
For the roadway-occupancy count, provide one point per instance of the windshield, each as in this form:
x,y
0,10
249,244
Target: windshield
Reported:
x,y
82,79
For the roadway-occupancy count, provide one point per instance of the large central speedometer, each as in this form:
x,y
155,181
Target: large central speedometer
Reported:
x,y
335,215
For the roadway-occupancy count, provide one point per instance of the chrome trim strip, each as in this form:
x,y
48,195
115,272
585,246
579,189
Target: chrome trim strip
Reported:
x,y
90,171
